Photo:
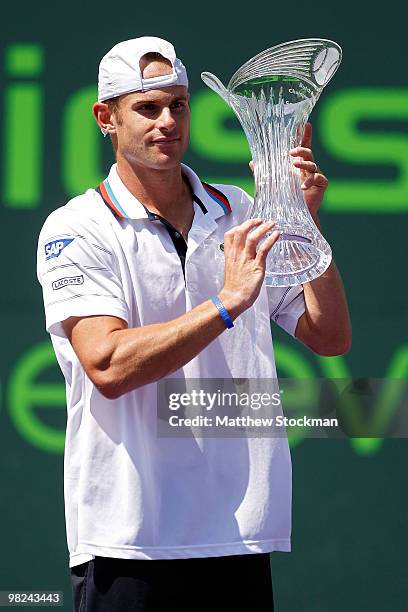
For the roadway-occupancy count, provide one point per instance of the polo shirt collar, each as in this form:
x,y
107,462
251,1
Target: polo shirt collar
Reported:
x,y
119,198
126,206
215,201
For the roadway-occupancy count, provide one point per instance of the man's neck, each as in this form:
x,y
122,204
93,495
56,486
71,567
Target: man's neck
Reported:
x,y
164,192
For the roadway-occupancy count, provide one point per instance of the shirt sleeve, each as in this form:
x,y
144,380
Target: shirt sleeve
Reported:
x,y
78,271
286,306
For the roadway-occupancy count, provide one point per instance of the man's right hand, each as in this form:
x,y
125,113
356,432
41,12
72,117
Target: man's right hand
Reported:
x,y
245,264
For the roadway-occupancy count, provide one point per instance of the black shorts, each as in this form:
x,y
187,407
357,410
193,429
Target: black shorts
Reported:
x,y
238,583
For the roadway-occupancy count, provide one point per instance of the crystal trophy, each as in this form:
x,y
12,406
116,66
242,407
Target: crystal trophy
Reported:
x,y
272,95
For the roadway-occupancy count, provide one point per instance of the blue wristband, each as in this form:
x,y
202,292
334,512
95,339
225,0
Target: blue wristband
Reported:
x,y
223,312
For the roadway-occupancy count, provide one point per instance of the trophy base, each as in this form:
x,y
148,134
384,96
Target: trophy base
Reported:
x,y
296,259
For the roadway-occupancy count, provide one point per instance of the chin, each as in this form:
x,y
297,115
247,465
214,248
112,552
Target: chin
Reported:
x,y
165,162
156,160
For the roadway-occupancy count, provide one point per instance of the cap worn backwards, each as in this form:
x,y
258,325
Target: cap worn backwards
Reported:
x,y
120,72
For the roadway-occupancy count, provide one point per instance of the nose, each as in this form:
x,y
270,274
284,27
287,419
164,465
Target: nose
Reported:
x,y
166,120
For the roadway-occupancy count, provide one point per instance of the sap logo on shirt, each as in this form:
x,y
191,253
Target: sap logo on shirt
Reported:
x,y
54,248
68,280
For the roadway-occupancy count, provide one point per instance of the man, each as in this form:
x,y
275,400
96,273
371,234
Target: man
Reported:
x,y
134,292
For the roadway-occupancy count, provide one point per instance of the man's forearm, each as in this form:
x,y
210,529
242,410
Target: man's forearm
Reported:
x,y
325,327
133,357
142,355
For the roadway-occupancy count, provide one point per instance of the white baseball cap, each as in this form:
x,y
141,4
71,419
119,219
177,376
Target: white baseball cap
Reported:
x,y
120,73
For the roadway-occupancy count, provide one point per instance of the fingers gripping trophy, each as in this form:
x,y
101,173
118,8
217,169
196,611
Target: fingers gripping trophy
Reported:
x,y
273,95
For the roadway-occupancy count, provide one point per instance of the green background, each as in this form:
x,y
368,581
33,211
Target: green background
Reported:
x,y
350,497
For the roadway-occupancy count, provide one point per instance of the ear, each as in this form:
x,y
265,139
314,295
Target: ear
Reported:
x,y
104,118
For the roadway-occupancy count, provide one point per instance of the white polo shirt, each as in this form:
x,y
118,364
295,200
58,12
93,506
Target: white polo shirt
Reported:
x,y
129,493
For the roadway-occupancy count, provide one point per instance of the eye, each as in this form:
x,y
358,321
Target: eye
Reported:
x,y
179,104
148,107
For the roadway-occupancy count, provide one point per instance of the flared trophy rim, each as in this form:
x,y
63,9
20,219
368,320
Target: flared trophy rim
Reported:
x,y
299,61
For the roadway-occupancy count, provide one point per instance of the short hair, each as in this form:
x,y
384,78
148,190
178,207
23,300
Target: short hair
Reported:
x,y
113,104
154,56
